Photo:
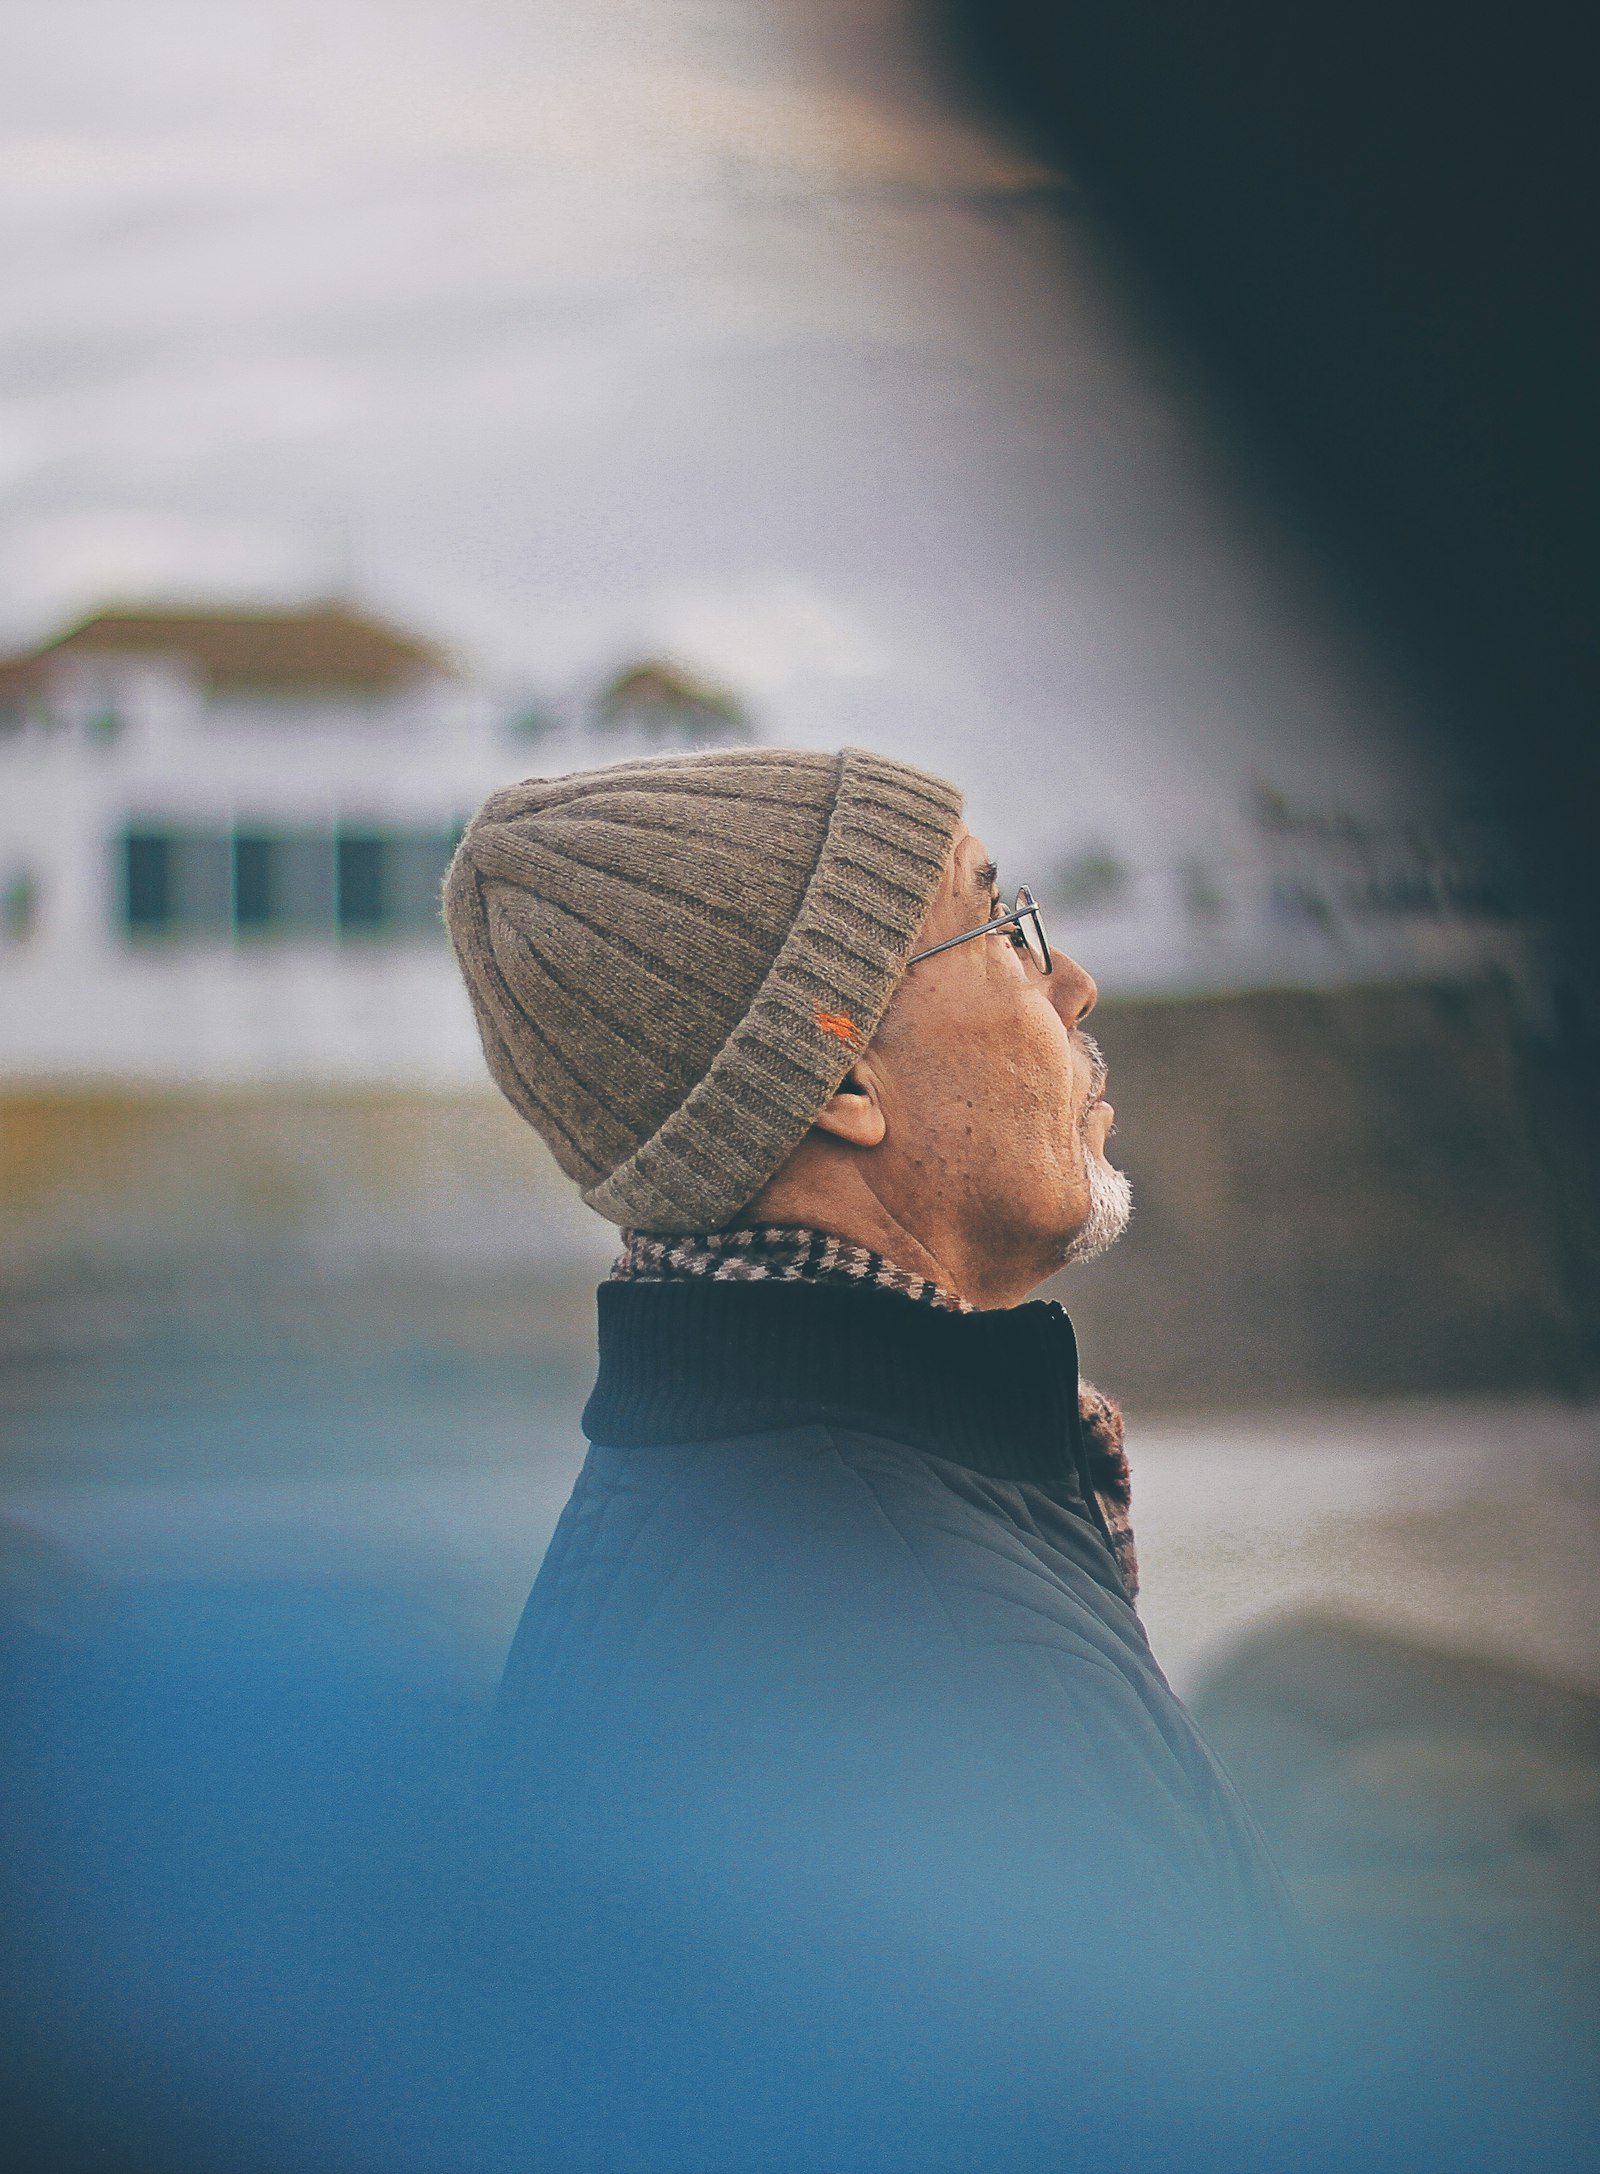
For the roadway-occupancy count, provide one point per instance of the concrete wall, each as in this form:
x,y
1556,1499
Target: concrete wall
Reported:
x,y
1336,1191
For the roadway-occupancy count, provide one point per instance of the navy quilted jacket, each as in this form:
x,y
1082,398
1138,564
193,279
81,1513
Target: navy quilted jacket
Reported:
x,y
853,1821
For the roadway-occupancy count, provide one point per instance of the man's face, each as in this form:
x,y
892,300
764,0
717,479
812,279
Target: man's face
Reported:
x,y
993,1092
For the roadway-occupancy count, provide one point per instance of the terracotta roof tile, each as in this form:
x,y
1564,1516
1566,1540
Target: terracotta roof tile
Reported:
x,y
321,649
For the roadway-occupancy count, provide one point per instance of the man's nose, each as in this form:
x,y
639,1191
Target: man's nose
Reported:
x,y
1072,990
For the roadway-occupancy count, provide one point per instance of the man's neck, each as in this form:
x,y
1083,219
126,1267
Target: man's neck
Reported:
x,y
814,1193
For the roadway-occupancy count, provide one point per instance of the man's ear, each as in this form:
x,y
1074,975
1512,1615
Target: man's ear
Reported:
x,y
855,1113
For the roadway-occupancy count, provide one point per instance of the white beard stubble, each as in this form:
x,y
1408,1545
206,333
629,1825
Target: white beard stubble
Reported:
x,y
1110,1206
1110,1194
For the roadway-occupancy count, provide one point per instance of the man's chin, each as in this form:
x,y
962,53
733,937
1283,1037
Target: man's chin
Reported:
x,y
1110,1206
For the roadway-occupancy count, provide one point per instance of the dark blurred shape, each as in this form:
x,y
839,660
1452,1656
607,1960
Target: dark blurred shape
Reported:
x,y
321,649
1369,231
533,722
253,887
664,701
19,906
1372,226
146,881
1452,864
1089,880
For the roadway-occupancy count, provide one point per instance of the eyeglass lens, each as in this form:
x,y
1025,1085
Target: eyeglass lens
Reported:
x,y
1033,930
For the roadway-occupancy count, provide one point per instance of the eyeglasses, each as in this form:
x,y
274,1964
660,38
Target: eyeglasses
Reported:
x,y
1027,933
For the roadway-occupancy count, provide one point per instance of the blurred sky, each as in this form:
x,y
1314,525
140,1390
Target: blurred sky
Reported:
x,y
568,332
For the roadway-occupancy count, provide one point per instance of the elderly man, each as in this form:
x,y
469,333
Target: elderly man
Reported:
x,y
848,1819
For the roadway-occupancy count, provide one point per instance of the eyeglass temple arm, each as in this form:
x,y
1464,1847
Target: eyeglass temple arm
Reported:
x,y
1001,920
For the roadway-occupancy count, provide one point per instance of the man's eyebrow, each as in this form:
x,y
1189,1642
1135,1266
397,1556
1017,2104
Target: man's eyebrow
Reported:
x,y
986,876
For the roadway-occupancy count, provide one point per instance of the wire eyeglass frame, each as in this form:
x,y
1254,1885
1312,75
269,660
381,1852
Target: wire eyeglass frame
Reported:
x,y
1024,916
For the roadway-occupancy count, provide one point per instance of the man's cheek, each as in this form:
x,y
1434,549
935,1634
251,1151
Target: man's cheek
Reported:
x,y
1047,1079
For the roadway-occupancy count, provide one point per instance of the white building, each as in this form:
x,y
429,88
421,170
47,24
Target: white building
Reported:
x,y
221,840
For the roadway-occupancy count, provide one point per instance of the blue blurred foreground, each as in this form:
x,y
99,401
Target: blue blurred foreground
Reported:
x,y
253,1626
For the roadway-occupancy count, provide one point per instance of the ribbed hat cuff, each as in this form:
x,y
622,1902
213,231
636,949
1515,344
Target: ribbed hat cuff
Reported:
x,y
885,850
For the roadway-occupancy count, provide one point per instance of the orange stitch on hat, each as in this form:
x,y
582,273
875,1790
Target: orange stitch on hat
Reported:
x,y
837,1023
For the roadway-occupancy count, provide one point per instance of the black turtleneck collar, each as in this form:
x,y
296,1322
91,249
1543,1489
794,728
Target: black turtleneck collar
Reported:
x,y
695,1361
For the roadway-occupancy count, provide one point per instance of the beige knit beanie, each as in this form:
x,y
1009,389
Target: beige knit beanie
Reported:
x,y
674,962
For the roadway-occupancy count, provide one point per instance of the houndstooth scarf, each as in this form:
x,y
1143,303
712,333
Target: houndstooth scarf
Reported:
x,y
774,1254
